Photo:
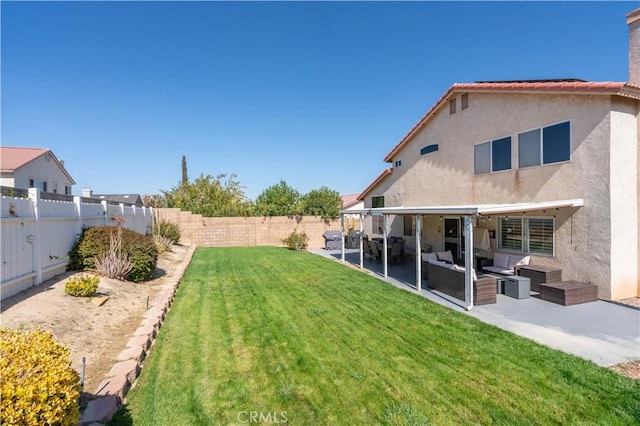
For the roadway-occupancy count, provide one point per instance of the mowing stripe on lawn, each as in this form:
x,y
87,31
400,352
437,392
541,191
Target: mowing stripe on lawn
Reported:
x,y
298,337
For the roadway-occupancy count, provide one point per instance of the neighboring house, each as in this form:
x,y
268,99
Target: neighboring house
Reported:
x,y
557,160
352,202
133,199
34,168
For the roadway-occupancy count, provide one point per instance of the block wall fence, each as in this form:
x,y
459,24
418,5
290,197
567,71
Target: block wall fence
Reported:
x,y
245,231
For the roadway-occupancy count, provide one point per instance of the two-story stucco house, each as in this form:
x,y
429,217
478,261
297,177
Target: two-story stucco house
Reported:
x,y
34,168
550,168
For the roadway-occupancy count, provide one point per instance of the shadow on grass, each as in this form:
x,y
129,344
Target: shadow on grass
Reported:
x,y
122,418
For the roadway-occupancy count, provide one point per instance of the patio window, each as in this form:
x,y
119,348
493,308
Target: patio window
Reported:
x,y
528,235
547,145
493,156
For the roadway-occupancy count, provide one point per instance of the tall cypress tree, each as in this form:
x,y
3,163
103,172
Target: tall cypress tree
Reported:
x,y
185,178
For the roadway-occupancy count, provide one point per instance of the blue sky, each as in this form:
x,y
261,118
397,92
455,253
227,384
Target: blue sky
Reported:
x,y
313,93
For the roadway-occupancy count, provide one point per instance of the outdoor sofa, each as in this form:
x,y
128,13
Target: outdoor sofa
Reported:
x,y
449,279
505,263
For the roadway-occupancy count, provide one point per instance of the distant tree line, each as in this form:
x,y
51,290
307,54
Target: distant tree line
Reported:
x,y
224,196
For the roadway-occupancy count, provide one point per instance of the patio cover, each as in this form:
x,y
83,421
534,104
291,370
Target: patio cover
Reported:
x,y
466,211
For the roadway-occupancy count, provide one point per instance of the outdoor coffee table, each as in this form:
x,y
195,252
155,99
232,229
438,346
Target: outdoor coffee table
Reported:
x,y
568,292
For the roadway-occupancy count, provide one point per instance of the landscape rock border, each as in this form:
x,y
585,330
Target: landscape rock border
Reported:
x,y
109,396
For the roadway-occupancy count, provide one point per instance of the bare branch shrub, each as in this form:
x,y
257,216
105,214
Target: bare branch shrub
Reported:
x,y
114,263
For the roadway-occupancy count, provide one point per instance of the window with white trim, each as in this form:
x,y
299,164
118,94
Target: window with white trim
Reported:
x,y
546,145
37,183
493,156
527,234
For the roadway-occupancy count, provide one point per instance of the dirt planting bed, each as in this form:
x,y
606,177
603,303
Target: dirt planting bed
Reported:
x,y
96,333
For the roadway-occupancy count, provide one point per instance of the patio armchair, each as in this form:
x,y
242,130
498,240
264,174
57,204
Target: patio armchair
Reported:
x,y
374,252
397,254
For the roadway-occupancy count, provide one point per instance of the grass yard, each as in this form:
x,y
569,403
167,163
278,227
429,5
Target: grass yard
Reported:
x,y
264,334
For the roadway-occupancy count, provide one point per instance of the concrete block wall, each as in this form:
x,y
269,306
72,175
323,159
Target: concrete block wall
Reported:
x,y
245,231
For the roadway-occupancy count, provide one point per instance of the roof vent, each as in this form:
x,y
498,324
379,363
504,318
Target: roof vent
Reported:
x,y
452,106
464,101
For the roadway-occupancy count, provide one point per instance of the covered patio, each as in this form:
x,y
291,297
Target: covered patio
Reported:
x,y
469,215
603,332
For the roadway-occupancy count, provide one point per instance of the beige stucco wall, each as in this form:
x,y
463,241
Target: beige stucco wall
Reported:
x,y
624,199
39,169
588,247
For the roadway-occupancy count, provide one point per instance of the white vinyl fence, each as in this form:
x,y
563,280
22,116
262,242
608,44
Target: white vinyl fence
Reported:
x,y
38,232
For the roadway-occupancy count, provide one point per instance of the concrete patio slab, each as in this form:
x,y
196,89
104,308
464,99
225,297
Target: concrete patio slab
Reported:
x,y
603,332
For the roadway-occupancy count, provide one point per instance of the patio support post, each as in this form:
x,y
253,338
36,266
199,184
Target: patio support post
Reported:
x,y
384,243
361,241
468,262
342,235
418,255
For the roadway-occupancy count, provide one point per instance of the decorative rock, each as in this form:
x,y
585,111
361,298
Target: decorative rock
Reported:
x,y
99,410
139,341
137,354
130,369
117,386
146,330
155,323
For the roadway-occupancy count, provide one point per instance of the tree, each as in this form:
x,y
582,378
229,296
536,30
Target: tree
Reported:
x,y
185,177
211,197
278,200
323,202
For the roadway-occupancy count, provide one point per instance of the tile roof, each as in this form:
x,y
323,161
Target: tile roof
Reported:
x,y
560,86
12,158
386,172
349,200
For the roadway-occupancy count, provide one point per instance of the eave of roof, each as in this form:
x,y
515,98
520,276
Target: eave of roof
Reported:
x,y
474,209
538,87
386,172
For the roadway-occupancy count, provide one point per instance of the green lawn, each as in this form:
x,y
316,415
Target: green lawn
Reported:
x,y
292,336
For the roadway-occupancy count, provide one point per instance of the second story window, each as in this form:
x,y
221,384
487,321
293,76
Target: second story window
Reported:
x,y
493,156
547,145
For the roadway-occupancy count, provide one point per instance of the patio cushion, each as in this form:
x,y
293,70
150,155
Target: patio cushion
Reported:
x,y
498,270
439,263
445,256
429,256
501,260
517,259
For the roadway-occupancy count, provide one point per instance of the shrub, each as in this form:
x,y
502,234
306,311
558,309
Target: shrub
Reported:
x,y
114,263
296,241
39,387
162,243
84,285
167,229
95,242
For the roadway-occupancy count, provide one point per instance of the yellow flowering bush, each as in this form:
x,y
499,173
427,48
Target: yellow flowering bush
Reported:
x,y
38,385
82,285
